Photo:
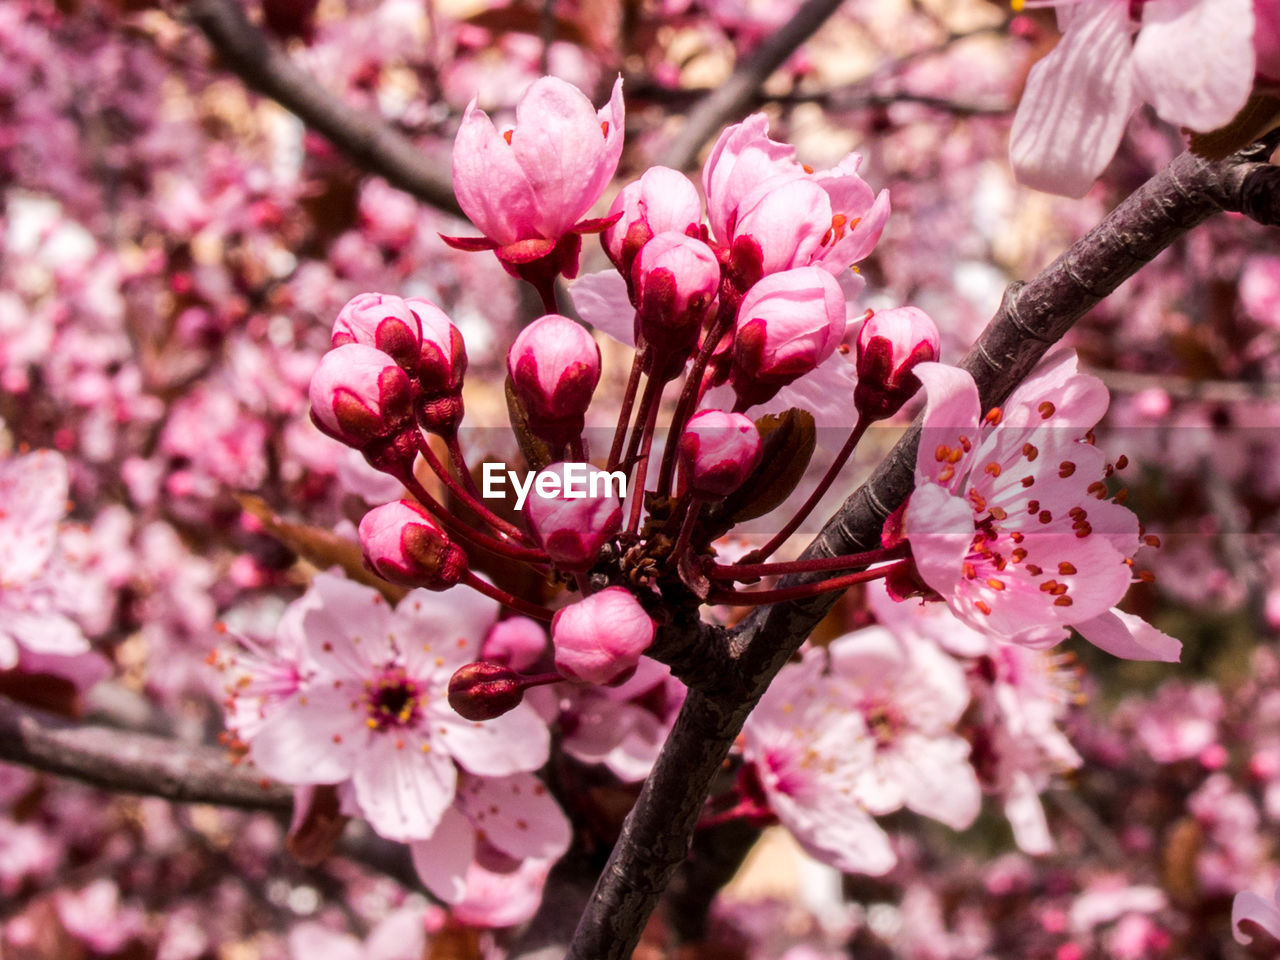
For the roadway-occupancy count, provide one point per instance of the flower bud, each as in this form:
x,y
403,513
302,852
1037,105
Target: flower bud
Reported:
x,y
381,321
579,519
600,638
481,690
360,396
889,344
517,642
440,366
788,324
675,279
403,544
554,366
717,451
661,200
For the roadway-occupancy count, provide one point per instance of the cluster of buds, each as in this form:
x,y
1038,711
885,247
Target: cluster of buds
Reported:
x,y
750,296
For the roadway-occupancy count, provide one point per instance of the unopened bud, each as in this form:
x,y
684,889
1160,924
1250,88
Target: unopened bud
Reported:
x,y
383,322
788,324
889,345
554,366
359,396
483,690
661,200
718,450
403,544
440,366
676,279
574,524
600,638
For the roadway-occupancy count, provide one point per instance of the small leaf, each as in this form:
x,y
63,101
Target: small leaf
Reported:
x,y
319,546
536,452
1259,116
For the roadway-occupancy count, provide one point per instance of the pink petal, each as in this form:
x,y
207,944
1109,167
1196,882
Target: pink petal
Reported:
x,y
442,859
313,738
515,742
1194,61
517,814
940,528
951,411
348,631
601,300
402,789
937,780
842,834
1025,814
1129,637
1077,103
438,632
490,184
33,493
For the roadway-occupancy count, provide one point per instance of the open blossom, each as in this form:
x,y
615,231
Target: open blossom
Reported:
x,y
1192,60
492,820
527,187
1009,521
368,707
34,613
1253,908
809,752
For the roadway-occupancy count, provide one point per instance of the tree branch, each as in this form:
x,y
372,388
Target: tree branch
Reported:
x,y
1031,319
730,100
132,762
370,142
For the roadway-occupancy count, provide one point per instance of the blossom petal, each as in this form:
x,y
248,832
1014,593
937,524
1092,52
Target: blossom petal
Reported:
x,y
443,858
517,814
1194,61
1077,103
490,184
312,738
951,414
1130,637
402,789
940,528
515,742
601,300
1025,813
328,627
436,633
937,780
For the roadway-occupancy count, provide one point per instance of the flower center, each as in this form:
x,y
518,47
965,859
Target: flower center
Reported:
x,y
393,700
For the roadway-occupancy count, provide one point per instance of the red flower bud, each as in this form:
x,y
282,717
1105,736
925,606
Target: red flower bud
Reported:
x,y
440,366
675,279
889,344
600,639
661,200
359,396
403,544
381,321
574,524
718,450
482,690
554,366
788,323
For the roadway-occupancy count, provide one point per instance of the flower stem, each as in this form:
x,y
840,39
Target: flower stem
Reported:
x,y
642,467
823,486
453,525
801,592
689,399
624,413
751,571
474,503
495,592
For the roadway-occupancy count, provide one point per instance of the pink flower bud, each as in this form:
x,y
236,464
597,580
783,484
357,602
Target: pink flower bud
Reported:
x,y
381,321
403,544
600,638
1266,43
889,344
718,450
660,201
788,323
554,366
440,366
579,519
675,279
517,642
360,396
481,691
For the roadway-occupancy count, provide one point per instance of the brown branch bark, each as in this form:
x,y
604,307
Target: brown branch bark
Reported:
x,y
1032,318
132,762
734,97
371,143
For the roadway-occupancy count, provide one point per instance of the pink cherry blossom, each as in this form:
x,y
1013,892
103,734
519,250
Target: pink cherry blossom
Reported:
x,y
601,637
371,710
1254,908
661,201
517,642
809,753
1192,60
513,817
554,365
381,321
889,344
539,178
718,450
34,613
675,279
1009,521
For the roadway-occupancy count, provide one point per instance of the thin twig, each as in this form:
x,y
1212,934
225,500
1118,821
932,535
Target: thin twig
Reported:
x,y
371,143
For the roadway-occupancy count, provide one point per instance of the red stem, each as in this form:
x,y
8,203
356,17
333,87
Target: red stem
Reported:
x,y
624,413
473,502
688,400
509,599
460,530
642,468
758,597
750,571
